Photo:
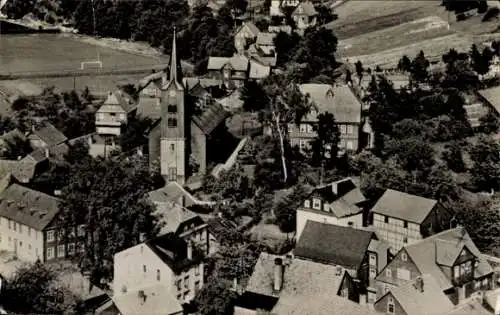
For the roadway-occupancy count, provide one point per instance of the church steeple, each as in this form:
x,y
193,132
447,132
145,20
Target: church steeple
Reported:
x,y
175,70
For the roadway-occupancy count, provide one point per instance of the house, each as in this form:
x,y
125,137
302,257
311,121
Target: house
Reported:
x,y
341,203
342,102
245,35
357,251
263,51
402,219
278,283
23,170
304,15
166,260
421,297
279,6
450,257
112,114
173,193
491,98
178,139
45,136
29,226
233,71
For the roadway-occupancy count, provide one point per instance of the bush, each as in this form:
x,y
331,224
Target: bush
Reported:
x,y
492,13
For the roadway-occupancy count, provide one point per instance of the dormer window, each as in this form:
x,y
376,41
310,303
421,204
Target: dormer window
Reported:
x,y
316,203
307,204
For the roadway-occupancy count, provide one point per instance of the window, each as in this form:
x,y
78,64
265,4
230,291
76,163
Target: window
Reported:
x,y
303,128
50,236
60,234
15,225
373,259
112,114
405,240
343,129
456,272
172,174
172,108
390,306
20,228
316,204
71,248
309,128
50,252
8,223
197,270
29,231
20,244
477,284
158,275
386,219
485,282
29,246
405,224
307,204
172,122
388,272
81,230
350,129
403,257
186,282
144,268
179,284
172,147
61,252
197,285
345,293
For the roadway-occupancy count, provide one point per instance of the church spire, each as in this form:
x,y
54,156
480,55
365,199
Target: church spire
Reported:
x,y
174,67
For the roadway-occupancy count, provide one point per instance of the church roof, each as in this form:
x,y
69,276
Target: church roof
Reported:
x,y
211,118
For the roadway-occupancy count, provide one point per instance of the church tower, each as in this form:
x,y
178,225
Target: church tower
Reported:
x,y
173,141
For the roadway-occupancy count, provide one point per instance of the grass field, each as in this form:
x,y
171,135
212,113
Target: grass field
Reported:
x,y
54,52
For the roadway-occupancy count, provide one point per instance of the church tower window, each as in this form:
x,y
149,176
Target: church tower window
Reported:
x,y
172,108
172,122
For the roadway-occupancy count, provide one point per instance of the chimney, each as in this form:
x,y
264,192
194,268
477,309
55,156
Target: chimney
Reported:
x,y
278,274
235,284
19,158
419,284
338,271
189,250
142,296
142,237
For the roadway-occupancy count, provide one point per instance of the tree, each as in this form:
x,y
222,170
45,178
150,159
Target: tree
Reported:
x,y
33,290
453,156
325,14
411,153
496,47
480,61
134,134
359,70
286,47
490,122
215,298
317,50
486,171
232,184
325,145
97,194
286,210
419,68
16,147
404,64
253,96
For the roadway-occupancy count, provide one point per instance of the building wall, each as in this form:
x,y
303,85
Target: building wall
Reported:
x,y
108,130
25,241
438,220
304,22
303,134
199,147
61,245
137,267
173,157
313,215
396,232
399,271
382,305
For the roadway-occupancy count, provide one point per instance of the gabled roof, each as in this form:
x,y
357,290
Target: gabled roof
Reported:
x,y
492,95
320,304
424,254
258,70
116,102
217,226
170,193
301,277
172,250
338,100
211,118
254,30
333,244
347,199
265,39
158,301
471,307
305,8
237,62
38,155
29,207
404,206
23,170
432,301
49,134
173,216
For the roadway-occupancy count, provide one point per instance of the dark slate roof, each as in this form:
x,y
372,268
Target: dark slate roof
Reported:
x,y
50,135
211,118
217,226
23,170
333,244
404,206
172,250
29,207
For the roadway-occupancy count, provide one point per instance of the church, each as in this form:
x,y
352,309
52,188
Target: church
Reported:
x,y
187,134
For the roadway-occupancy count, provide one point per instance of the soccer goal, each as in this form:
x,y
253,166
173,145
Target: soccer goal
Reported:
x,y
93,64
